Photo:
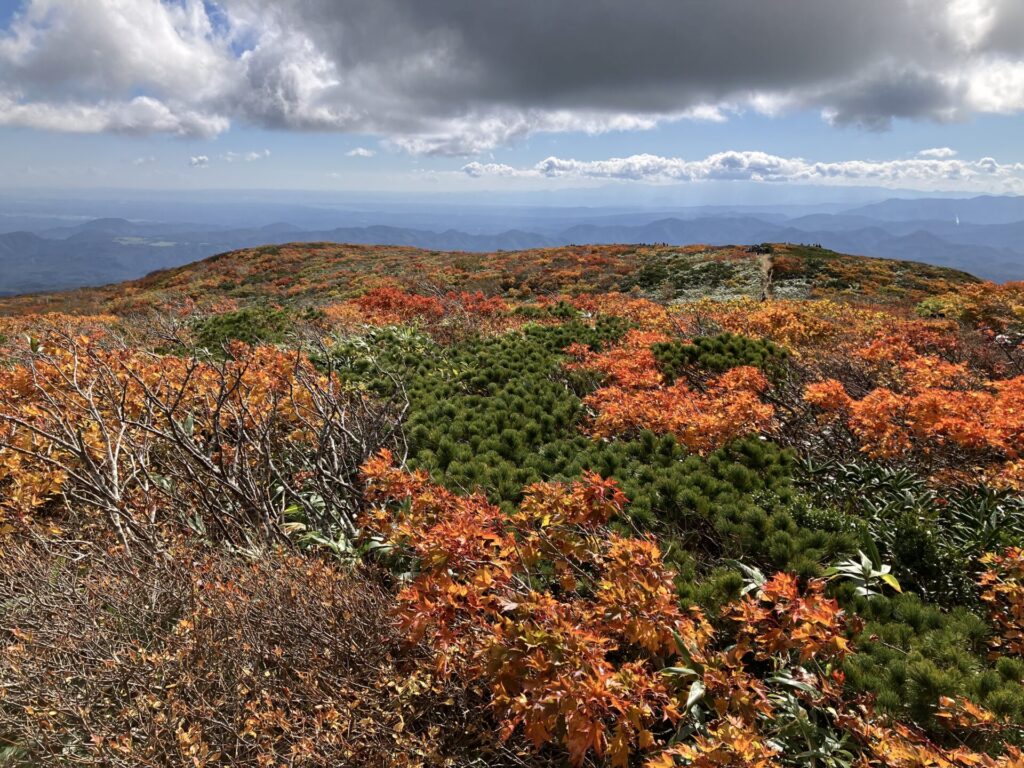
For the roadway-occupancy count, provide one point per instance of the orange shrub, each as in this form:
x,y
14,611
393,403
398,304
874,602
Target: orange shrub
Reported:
x,y
577,662
986,425
730,407
1002,585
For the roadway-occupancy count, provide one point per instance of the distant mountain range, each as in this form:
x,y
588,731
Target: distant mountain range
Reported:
x,y
983,236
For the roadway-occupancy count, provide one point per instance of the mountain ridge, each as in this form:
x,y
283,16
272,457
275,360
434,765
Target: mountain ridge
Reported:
x,y
314,274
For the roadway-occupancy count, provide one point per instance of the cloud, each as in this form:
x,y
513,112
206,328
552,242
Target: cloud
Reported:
x,y
480,132
930,169
360,152
246,157
478,170
457,78
141,115
938,153
198,161
108,65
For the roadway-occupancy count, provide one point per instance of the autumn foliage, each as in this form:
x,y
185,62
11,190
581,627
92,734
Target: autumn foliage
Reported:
x,y
630,506
206,660
137,437
930,406
576,633
537,605
637,398
1002,586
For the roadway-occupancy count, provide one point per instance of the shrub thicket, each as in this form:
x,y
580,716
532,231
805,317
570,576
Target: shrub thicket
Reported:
x,y
185,540
497,414
204,659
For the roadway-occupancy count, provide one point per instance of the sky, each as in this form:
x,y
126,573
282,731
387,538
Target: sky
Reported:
x,y
489,95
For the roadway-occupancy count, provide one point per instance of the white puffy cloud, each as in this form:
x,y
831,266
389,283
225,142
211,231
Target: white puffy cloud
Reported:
x,y
198,161
141,115
928,170
108,47
937,153
456,78
360,152
136,66
478,170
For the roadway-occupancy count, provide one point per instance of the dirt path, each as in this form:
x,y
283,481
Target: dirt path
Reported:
x,y
767,272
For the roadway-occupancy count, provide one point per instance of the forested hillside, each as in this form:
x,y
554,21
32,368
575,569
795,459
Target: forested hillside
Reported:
x,y
320,505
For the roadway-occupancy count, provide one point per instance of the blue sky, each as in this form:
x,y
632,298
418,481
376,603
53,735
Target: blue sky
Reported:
x,y
332,94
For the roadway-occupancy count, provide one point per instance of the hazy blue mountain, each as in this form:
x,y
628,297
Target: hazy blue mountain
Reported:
x,y
1009,236
718,229
29,262
986,209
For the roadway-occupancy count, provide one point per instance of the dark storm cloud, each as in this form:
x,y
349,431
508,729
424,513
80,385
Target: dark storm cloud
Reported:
x,y
872,103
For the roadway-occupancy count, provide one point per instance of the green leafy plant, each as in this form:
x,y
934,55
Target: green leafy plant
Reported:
x,y
867,577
